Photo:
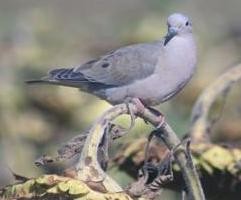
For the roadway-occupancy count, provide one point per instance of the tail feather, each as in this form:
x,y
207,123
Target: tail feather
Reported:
x,y
66,74
68,77
44,80
63,77
59,76
52,82
61,73
34,81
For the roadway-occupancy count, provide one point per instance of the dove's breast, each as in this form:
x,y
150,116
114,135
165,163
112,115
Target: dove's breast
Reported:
x,y
177,66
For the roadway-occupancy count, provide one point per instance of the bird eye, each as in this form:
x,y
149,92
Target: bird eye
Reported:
x,y
187,23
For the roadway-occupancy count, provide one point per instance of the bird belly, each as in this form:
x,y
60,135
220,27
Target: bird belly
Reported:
x,y
148,90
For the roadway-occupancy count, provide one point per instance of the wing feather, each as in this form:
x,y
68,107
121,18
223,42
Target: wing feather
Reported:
x,y
123,66
116,68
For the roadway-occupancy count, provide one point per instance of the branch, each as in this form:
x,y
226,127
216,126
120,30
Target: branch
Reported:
x,y
93,182
89,169
199,119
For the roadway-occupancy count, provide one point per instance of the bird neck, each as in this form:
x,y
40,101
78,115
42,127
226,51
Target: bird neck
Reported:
x,y
181,41
182,49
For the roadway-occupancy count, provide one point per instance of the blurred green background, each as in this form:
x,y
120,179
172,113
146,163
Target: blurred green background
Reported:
x,y
36,36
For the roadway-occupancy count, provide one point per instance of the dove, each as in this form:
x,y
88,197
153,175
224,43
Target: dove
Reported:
x,y
151,72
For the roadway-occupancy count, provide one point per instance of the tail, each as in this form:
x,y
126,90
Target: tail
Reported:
x,y
51,82
70,78
61,76
44,80
37,81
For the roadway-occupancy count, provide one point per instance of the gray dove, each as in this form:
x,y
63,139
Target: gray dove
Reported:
x,y
150,72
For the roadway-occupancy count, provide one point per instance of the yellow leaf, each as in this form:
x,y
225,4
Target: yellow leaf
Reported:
x,y
236,154
53,190
218,157
50,179
77,187
206,166
63,186
103,196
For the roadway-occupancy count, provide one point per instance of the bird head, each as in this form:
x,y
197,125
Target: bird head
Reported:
x,y
178,24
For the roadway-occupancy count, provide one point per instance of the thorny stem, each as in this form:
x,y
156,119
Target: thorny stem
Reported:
x,y
90,170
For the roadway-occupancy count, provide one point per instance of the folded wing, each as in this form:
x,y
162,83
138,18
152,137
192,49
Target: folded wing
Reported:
x,y
115,69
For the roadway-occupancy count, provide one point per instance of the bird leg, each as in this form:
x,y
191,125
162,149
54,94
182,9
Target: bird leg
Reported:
x,y
139,105
140,109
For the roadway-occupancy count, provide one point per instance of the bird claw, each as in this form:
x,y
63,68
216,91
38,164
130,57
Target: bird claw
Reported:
x,y
139,105
139,109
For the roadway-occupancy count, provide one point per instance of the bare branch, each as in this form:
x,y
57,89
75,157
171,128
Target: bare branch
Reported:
x,y
199,119
89,169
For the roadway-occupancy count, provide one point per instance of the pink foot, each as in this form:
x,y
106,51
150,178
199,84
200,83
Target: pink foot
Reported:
x,y
133,113
139,105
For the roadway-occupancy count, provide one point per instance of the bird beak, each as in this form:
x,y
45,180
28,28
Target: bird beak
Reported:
x,y
171,33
